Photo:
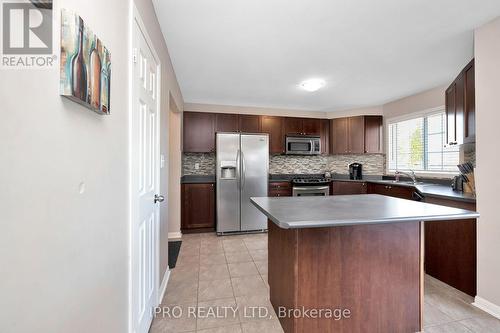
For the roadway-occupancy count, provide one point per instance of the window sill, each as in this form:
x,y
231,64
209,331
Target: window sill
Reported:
x,y
428,174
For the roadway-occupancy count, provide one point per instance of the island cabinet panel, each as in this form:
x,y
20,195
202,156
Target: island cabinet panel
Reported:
x,y
198,132
347,187
198,207
373,134
274,126
344,268
450,249
280,189
249,123
391,190
226,122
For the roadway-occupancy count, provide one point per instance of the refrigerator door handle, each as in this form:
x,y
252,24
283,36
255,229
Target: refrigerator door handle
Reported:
x,y
243,170
238,173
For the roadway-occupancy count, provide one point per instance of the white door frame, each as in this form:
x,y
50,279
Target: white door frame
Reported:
x,y
137,22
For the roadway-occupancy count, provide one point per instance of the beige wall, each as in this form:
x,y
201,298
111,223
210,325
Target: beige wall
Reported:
x,y
169,89
487,66
425,100
252,110
369,111
65,255
175,172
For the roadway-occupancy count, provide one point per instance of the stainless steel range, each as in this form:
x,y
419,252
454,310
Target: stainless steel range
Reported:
x,y
310,186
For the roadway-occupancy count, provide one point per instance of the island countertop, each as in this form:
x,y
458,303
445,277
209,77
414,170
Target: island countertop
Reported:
x,y
343,210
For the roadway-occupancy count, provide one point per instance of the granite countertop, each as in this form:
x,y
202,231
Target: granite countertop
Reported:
x,y
427,188
342,210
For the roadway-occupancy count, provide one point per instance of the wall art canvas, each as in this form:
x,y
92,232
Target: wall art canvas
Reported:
x,y
85,65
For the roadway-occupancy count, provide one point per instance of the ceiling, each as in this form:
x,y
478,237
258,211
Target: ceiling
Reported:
x,y
256,52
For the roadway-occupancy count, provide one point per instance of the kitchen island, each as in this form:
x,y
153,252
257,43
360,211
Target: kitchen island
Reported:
x,y
360,256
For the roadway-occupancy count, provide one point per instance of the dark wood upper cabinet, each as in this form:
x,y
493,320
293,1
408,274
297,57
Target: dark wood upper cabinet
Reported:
x,y
198,206
274,126
373,134
311,126
249,123
356,131
356,135
293,126
470,104
325,136
302,126
460,108
199,132
226,122
450,97
339,143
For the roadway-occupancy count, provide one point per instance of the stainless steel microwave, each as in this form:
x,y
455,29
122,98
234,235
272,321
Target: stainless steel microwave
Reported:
x,y
303,145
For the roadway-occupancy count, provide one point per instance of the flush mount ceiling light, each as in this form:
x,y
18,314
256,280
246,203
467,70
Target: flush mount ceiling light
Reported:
x,y
312,84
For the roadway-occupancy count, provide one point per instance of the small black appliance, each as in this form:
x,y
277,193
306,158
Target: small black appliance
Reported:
x,y
355,171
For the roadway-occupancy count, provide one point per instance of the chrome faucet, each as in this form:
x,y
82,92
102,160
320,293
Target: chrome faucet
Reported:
x,y
410,174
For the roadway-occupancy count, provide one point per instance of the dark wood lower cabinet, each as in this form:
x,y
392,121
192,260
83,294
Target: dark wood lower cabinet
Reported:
x,y
347,187
198,207
450,249
391,190
280,189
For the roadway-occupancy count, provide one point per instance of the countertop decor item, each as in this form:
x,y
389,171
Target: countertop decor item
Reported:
x,y
85,65
467,173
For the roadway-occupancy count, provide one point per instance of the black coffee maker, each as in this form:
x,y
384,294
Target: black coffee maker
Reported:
x,y
355,171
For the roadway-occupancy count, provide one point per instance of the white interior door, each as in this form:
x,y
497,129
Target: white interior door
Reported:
x,y
145,182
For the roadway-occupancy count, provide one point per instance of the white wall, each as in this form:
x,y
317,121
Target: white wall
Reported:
x,y
64,257
252,110
64,261
487,67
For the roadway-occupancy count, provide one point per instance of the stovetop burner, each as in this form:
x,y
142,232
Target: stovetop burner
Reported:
x,y
310,181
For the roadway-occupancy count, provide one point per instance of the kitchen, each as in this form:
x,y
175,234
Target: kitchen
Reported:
x,y
417,147
322,157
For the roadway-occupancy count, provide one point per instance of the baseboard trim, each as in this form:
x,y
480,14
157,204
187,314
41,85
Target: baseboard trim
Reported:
x,y
163,286
175,235
487,306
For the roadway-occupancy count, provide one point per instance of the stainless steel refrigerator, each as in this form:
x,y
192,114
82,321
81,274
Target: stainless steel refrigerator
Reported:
x,y
242,172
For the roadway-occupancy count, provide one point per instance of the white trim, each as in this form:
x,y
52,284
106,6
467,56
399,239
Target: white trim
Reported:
x,y
487,306
163,285
413,115
175,235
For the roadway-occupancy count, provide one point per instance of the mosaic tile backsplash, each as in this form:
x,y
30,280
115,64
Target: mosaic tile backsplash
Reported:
x,y
373,164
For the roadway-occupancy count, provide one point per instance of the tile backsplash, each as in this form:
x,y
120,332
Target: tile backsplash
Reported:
x,y
373,164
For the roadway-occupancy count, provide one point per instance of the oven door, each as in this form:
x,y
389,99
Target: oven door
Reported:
x,y
301,146
311,191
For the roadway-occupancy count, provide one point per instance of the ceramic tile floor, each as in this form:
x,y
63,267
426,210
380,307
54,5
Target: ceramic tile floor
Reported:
x,y
230,272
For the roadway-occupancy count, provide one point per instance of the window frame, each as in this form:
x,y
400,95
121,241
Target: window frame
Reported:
x,y
409,116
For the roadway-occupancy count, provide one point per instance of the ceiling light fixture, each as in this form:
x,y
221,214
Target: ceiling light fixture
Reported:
x,y
312,85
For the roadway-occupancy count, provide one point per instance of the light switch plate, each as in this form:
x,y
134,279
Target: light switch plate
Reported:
x,y
162,161
197,166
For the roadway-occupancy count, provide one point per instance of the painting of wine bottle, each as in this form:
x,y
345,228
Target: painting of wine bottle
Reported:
x,y
85,65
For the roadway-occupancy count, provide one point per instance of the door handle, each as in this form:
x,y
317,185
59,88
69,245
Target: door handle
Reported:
x,y
159,198
238,165
243,170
